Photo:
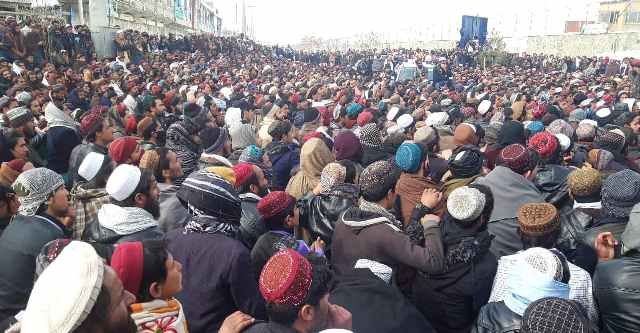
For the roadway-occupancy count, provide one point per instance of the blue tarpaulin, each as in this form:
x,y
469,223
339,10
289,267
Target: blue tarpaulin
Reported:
x,y
473,27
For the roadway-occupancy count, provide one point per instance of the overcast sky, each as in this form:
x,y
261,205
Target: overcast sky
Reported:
x,y
287,21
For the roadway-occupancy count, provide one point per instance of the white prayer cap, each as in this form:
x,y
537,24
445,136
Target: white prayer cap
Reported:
x,y
90,165
437,119
52,308
405,121
123,181
484,107
564,141
393,112
603,113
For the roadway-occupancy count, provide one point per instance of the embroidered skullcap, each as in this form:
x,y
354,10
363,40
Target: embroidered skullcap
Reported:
x,y
275,203
123,181
612,141
538,219
577,115
600,158
23,97
553,314
544,143
90,165
19,116
564,142
370,136
535,127
537,273
515,157
585,132
34,187
286,278
332,174
90,120
59,310
380,174
408,157
465,204
620,192
251,154
425,136
584,182
560,126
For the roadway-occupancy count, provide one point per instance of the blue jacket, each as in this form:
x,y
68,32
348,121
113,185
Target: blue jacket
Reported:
x,y
60,142
284,158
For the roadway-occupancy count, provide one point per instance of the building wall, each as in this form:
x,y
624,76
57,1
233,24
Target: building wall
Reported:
x,y
621,15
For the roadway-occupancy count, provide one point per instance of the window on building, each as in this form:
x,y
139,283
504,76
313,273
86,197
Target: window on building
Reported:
x,y
613,18
632,18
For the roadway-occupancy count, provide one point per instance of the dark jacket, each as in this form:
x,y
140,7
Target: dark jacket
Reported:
x,y
284,158
96,233
60,142
510,191
173,214
373,154
452,300
269,244
268,327
573,226
375,306
20,244
616,283
380,241
319,213
251,227
585,255
497,318
79,153
617,290
551,180
216,279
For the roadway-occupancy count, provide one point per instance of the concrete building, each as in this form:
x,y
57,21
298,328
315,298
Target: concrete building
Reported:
x,y
620,15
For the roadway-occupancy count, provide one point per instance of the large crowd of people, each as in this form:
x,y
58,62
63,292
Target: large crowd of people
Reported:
x,y
201,183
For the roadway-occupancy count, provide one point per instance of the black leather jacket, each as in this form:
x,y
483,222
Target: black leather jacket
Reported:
x,y
319,213
573,226
551,180
497,318
616,287
95,233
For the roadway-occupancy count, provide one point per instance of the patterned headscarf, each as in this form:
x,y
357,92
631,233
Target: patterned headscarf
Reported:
x,y
34,187
212,202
